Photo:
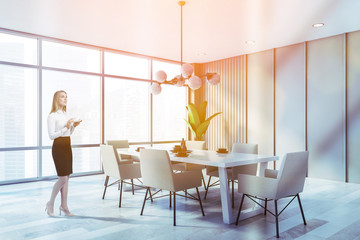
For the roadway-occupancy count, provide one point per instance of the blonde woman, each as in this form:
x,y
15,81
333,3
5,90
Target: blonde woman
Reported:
x,y
60,127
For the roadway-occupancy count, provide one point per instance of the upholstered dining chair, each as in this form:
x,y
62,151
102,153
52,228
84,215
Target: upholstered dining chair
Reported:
x,y
191,145
287,182
120,170
157,172
123,157
120,144
234,171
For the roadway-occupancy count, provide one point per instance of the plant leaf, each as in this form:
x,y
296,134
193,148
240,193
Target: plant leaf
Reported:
x,y
202,111
214,115
191,128
201,130
193,116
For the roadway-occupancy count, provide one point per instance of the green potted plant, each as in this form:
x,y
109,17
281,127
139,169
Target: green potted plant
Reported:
x,y
197,122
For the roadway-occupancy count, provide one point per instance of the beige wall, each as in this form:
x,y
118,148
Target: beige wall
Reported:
x,y
353,106
290,94
326,108
300,97
260,101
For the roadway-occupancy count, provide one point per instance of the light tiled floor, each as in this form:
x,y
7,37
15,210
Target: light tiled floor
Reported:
x,y
332,210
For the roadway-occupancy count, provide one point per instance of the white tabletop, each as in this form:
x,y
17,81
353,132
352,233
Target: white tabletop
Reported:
x,y
212,158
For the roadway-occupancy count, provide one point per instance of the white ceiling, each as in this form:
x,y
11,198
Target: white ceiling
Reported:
x,y
152,27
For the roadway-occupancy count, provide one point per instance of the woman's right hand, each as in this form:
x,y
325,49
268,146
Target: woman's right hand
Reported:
x,y
69,123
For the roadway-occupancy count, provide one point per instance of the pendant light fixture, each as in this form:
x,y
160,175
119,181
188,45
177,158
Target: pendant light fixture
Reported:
x,y
186,78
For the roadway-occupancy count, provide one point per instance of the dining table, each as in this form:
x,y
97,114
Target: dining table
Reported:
x,y
222,161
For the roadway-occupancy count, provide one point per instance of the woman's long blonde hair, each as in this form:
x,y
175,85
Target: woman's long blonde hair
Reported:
x,y
55,104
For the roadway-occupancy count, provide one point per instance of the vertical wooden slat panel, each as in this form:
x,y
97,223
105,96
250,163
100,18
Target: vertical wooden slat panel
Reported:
x,y
227,97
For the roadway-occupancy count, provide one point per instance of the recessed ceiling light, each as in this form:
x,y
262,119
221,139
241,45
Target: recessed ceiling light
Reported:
x,y
250,42
202,54
316,25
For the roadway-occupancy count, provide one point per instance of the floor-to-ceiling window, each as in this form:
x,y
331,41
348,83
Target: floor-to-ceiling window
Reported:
x,y
107,89
127,102
18,107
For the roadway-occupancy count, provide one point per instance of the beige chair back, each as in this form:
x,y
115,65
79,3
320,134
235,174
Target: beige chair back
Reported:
x,y
156,170
195,145
245,148
118,143
292,174
109,161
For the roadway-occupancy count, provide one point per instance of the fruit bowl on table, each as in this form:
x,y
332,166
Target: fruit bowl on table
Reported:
x,y
222,151
182,153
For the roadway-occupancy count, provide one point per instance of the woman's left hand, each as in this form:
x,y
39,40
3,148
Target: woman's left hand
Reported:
x,y
76,124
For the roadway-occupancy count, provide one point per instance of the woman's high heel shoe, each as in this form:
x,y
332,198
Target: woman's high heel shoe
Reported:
x,y
49,210
66,211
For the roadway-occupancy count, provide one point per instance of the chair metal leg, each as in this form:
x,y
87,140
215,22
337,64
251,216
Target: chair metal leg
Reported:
x,y
265,206
142,209
174,210
105,184
207,188
132,186
241,203
203,179
277,219
232,193
202,210
301,209
121,189
170,200
150,195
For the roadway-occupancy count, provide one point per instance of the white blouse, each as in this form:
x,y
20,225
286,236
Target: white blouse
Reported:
x,y
57,125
